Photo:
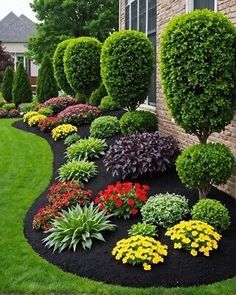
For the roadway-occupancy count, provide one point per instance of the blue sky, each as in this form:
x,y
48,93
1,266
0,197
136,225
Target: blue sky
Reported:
x,y
18,7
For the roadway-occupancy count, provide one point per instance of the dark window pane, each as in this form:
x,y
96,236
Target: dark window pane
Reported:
x,y
134,17
152,15
201,4
127,17
142,15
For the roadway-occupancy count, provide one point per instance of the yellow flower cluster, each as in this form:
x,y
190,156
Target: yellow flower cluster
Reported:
x,y
195,236
140,250
34,120
62,131
28,115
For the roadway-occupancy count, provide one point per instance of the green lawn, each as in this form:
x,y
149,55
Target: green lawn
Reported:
x,y
25,170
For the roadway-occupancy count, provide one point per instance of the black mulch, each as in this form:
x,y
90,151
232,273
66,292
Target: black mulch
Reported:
x,y
179,268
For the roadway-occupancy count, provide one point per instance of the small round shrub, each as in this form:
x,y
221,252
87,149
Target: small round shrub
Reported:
x,y
212,212
127,63
82,65
71,139
198,61
7,83
80,171
8,106
26,107
138,121
141,153
86,149
46,111
28,115
105,127
58,65
60,103
62,131
202,165
108,104
143,229
35,120
97,95
165,209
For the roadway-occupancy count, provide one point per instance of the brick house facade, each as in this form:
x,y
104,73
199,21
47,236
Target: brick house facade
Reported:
x,y
165,10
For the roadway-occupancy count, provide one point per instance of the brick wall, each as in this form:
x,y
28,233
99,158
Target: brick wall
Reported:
x,y
166,9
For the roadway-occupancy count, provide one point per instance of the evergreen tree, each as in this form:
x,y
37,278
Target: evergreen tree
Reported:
x,y
21,89
7,84
46,84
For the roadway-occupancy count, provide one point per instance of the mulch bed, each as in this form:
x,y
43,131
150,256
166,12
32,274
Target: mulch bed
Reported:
x,y
179,267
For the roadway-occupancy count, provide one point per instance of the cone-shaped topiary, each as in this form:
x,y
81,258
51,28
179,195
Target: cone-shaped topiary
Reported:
x,y
46,84
58,65
7,84
21,89
82,65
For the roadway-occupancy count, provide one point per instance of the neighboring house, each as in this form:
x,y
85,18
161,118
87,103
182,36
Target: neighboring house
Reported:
x,y
14,34
150,17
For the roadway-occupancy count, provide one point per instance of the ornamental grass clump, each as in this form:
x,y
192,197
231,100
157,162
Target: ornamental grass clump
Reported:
x,y
195,236
138,154
80,171
35,120
124,199
28,115
71,139
62,131
105,127
79,114
165,209
86,149
143,229
212,212
78,226
140,250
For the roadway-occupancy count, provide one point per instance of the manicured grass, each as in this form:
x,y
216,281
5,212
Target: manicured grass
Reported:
x,y
25,171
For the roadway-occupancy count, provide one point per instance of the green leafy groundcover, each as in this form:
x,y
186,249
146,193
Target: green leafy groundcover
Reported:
x,y
22,180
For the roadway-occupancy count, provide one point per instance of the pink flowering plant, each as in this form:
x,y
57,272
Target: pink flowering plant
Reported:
x,y
58,104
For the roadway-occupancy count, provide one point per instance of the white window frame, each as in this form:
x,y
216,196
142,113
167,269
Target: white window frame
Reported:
x,y
190,5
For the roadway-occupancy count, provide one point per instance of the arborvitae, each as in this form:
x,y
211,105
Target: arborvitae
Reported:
x,y
21,89
7,84
46,84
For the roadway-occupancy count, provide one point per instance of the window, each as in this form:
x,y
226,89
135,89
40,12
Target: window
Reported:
x,y
141,15
201,4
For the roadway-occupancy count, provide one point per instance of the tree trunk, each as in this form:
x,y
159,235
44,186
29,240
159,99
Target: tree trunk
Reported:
x,y
204,190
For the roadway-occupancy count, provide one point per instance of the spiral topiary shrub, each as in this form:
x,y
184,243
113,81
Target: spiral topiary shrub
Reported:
x,y
104,127
58,65
82,65
212,212
97,95
108,104
127,62
198,71
138,121
202,165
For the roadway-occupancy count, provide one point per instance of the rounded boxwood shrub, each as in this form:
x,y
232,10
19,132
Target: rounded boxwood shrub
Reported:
x,y
7,83
97,95
108,104
202,165
141,153
212,212
138,121
127,63
46,83
165,209
198,71
59,70
104,127
82,65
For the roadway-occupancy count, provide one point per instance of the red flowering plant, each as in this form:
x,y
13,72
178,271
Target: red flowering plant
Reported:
x,y
39,106
122,199
62,195
49,123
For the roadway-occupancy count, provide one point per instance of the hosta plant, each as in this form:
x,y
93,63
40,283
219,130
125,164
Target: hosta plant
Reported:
x,y
195,236
44,216
140,250
104,127
26,107
62,131
123,199
71,139
78,226
165,209
28,115
139,154
143,229
212,212
35,120
80,171
49,123
86,149
79,114
58,104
